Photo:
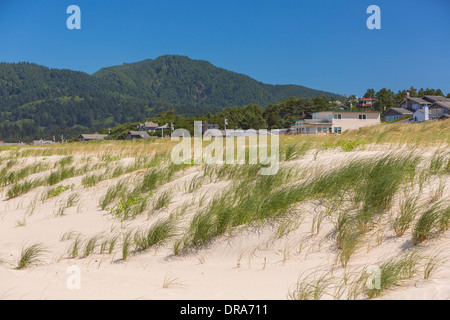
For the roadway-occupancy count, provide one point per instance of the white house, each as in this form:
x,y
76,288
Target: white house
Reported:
x,y
329,122
422,114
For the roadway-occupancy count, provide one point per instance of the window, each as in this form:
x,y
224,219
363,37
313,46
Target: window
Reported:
x,y
330,116
338,116
338,130
307,130
391,118
314,117
362,117
319,129
444,111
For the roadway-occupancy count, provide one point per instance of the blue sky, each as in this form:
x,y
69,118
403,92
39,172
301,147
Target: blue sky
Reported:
x,y
319,44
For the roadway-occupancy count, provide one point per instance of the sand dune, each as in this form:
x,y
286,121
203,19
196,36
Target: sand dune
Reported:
x,y
257,261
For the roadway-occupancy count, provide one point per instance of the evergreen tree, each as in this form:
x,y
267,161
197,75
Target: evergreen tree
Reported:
x,y
370,94
385,99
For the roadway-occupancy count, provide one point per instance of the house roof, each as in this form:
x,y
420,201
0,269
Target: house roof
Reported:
x,y
354,111
314,121
149,124
419,100
338,111
441,104
402,111
95,136
166,126
435,98
142,134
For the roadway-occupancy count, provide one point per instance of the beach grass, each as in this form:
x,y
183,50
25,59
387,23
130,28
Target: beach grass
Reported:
x,y
31,256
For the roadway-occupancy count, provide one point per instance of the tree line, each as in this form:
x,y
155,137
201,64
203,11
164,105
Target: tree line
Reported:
x,y
279,115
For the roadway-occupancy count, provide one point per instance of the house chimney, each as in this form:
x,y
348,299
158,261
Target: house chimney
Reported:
x,y
426,113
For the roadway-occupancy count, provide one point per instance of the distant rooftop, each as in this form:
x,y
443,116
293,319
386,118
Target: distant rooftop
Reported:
x,y
435,98
141,134
419,100
95,136
401,111
443,104
354,111
149,124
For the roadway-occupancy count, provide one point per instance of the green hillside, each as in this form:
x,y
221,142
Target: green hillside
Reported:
x,y
36,101
180,81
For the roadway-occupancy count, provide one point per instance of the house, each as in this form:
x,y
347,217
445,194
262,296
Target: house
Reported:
x,y
208,126
91,137
414,103
440,109
422,111
417,103
366,103
341,107
329,122
137,135
422,114
164,127
396,113
148,126
420,108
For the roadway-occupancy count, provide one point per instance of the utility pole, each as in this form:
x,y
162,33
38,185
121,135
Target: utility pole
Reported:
x,y
226,123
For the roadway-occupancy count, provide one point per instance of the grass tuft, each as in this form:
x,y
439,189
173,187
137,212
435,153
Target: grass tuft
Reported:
x,y
30,256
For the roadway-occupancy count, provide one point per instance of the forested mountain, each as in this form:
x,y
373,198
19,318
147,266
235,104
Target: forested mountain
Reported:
x,y
38,102
196,85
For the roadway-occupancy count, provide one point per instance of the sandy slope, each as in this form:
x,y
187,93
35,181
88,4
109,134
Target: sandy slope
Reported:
x,y
251,264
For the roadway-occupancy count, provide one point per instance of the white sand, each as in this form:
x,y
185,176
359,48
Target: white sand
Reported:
x,y
252,264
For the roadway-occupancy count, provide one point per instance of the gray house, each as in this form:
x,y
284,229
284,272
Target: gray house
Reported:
x,y
440,109
92,137
148,126
419,108
415,103
396,113
137,135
